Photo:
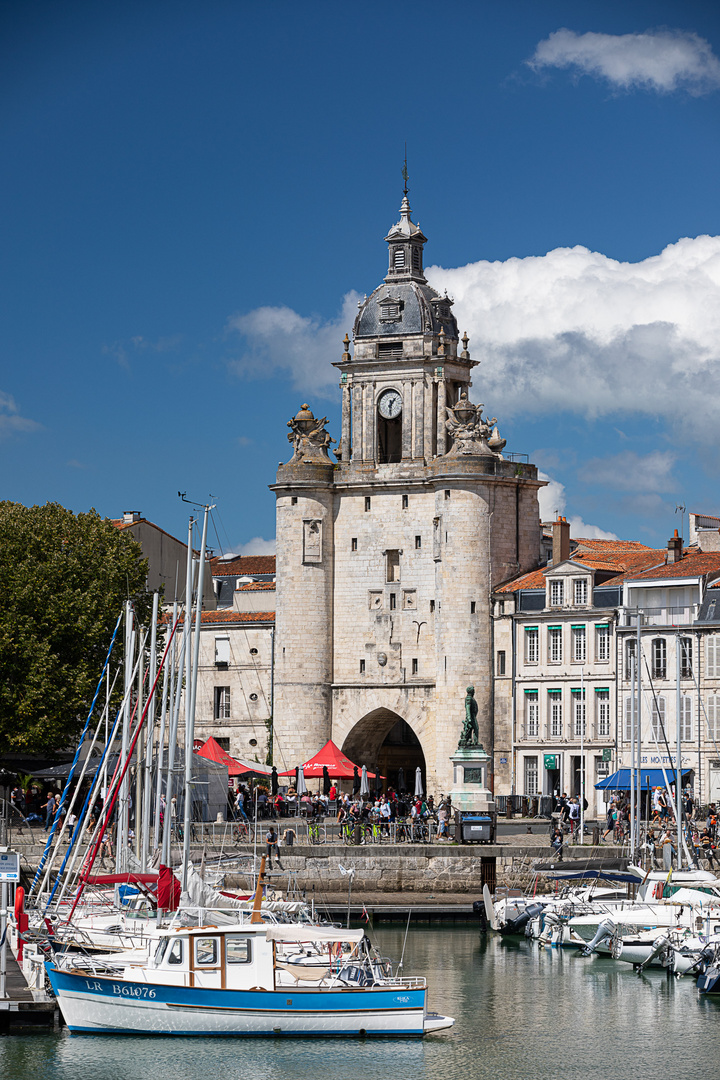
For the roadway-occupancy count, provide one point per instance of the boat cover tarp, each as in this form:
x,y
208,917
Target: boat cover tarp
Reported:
x,y
168,891
339,766
578,869
122,879
651,778
299,932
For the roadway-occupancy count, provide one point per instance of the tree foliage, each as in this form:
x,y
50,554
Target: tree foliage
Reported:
x,y
64,578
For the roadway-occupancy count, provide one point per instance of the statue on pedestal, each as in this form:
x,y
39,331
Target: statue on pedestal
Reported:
x,y
308,437
470,732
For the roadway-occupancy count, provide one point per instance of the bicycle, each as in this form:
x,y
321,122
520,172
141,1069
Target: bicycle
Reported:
x,y
315,836
402,833
348,833
241,832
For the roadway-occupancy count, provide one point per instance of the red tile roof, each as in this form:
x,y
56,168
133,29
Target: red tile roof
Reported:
x,y
694,563
227,615
243,565
256,586
625,557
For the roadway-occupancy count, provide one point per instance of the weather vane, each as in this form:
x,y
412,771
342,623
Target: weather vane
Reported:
x,y
405,173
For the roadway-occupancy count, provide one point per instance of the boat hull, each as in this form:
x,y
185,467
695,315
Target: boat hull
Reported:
x,y
95,1005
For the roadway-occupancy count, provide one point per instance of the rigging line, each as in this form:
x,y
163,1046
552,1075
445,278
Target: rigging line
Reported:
x,y
222,526
63,797
217,535
711,728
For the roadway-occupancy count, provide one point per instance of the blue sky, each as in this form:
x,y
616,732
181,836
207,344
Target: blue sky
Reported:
x,y
194,193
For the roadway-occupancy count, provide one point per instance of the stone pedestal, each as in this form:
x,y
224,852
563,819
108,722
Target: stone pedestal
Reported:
x,y
470,770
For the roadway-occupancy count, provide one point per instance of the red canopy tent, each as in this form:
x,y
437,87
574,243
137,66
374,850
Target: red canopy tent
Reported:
x,y
212,750
338,766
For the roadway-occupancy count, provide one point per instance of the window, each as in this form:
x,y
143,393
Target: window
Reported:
x,y
532,645
206,952
500,665
222,651
630,657
393,601
253,697
686,718
362,667
367,504
253,652
447,493
659,658
472,607
713,717
418,543
416,258
657,718
712,656
578,644
686,671
555,700
293,500
404,502
399,258
556,592
353,544
392,565
532,714
531,775
432,606
414,667
390,350
555,644
176,953
580,590
578,710
224,744
237,950
602,643
628,717
389,311
222,702
602,713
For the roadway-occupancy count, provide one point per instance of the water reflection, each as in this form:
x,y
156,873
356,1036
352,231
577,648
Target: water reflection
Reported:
x,y
522,1012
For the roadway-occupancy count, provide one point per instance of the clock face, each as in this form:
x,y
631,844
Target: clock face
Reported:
x,y
390,404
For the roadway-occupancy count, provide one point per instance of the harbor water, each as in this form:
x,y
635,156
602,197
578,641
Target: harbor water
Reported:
x,y
522,1013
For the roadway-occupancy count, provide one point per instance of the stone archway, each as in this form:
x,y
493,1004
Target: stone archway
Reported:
x,y
384,739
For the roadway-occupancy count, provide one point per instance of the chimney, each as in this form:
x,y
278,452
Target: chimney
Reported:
x,y
129,516
561,541
674,552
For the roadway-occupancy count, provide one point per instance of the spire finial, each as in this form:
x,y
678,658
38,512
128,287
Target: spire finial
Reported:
x,y
405,175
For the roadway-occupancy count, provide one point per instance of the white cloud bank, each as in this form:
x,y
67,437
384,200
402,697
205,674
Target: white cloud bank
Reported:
x,y
11,422
553,501
640,473
661,60
257,546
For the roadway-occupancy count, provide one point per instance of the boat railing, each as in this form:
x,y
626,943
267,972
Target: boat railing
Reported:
x,y
410,983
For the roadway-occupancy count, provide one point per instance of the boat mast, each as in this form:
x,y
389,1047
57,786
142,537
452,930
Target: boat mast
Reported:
x,y
678,733
149,740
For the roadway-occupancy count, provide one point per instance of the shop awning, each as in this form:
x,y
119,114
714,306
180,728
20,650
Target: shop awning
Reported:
x,y
620,780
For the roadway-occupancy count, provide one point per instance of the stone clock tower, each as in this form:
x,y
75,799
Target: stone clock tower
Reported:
x,y
387,557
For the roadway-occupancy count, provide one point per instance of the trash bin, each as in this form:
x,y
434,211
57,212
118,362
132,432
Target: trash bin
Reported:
x,y
358,834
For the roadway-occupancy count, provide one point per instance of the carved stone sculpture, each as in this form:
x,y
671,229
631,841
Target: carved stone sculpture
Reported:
x,y
470,731
471,434
308,437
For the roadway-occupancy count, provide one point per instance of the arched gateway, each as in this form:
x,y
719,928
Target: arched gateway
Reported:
x,y
384,740
386,557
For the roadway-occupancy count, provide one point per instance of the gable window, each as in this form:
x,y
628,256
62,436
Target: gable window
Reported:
x,y
657,718
602,711
532,714
555,644
659,658
579,644
578,710
686,718
556,592
602,643
222,703
686,671
532,645
555,703
712,656
580,591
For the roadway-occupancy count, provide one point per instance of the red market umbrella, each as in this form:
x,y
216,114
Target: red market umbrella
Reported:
x,y
339,767
214,752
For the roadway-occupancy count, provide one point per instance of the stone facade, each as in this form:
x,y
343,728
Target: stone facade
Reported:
x,y
386,559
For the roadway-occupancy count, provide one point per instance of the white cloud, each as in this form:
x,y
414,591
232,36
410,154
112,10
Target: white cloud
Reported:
x,y
662,60
576,331
632,472
257,546
11,423
553,501
278,339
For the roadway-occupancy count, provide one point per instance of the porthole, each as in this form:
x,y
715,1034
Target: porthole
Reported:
x,y
253,697
253,652
253,742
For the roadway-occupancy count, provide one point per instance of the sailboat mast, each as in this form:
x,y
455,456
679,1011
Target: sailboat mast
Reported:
x,y
149,741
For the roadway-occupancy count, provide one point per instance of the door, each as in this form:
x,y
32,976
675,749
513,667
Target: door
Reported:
x,y
714,778
207,961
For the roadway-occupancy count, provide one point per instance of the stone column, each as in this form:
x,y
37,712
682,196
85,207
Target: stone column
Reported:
x,y
441,417
418,418
368,422
345,435
407,420
428,420
356,398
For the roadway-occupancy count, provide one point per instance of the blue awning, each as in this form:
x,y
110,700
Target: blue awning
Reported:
x,y
620,780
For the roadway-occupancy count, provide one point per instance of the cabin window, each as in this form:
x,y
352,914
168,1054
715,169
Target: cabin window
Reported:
x,y
175,955
206,952
237,950
160,951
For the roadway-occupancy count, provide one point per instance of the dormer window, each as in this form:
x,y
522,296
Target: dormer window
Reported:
x,y
557,592
580,591
399,258
390,308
